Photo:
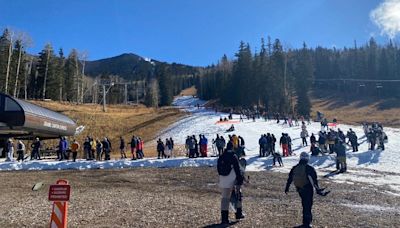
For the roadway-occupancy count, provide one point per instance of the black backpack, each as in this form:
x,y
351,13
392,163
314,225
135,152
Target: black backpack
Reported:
x,y
224,166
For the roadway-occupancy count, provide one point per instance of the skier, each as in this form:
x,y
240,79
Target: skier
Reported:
x,y
122,147
305,180
74,148
229,175
187,142
10,150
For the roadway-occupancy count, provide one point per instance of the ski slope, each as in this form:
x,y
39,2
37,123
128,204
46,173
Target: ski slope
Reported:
x,y
373,167
376,167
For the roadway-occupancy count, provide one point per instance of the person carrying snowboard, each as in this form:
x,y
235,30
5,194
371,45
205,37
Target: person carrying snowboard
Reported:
x,y
304,178
229,175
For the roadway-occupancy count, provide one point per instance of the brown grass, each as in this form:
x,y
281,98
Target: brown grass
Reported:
x,y
192,91
356,112
119,120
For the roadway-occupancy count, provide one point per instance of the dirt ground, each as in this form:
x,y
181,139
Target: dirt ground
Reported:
x,y
184,197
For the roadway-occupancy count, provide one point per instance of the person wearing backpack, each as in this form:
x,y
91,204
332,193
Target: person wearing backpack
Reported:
x,y
229,176
304,178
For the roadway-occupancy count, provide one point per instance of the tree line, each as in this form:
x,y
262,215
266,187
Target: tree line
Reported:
x,y
280,80
53,75
49,75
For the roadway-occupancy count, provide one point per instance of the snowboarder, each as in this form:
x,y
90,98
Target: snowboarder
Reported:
x,y
305,180
229,174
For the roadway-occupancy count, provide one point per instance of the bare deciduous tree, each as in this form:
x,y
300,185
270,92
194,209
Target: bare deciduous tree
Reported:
x,y
24,41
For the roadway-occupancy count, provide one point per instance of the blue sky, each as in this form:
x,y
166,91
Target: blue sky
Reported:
x,y
196,32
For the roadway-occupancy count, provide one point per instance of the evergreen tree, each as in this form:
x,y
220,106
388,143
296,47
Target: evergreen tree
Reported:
x,y
304,75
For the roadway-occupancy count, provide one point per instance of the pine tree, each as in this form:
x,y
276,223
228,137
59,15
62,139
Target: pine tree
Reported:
x,y
165,86
304,75
152,94
71,85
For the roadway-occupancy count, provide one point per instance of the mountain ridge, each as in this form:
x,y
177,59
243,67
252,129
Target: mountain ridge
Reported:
x,y
131,66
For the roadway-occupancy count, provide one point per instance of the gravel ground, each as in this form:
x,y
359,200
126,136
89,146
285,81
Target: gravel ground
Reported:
x,y
186,197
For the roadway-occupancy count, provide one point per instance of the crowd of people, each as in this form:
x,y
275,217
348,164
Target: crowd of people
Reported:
x,y
165,150
375,135
93,149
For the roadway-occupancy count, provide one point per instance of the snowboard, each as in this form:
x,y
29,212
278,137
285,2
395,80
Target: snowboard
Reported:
x,y
236,194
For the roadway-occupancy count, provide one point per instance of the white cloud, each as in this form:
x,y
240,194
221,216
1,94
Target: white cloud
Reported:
x,y
387,17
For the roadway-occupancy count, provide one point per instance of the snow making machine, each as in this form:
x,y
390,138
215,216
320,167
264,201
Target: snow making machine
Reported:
x,y
23,120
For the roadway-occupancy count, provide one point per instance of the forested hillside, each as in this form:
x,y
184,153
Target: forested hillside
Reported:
x,y
280,80
51,74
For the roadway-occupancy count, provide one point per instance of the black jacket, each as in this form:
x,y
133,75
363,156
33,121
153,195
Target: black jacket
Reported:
x,y
230,159
310,172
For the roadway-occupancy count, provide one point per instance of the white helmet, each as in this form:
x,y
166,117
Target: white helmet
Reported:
x,y
304,156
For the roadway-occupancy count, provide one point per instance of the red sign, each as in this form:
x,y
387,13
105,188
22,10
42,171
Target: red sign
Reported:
x,y
59,192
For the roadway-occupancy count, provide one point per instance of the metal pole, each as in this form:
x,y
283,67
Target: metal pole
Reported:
x,y
126,93
137,93
104,98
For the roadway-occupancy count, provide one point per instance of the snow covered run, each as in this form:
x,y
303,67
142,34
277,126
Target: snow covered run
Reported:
x,y
374,167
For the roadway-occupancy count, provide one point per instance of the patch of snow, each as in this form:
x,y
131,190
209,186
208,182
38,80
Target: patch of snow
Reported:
x,y
371,208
